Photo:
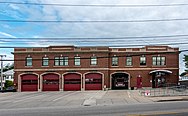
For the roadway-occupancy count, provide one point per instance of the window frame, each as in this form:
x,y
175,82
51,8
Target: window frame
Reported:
x,y
129,60
93,60
45,61
29,61
77,61
115,61
142,60
158,60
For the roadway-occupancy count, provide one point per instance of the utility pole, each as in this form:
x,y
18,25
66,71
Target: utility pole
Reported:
x,y
2,70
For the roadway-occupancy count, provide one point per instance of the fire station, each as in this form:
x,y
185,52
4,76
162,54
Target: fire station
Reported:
x,y
71,68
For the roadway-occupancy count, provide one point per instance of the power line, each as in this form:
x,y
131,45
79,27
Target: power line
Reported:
x,y
125,37
92,21
97,5
125,45
99,57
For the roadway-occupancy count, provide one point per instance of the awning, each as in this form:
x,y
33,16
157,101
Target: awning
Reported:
x,y
165,71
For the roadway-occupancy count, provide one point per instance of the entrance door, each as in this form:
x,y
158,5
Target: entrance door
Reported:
x,y
29,82
139,82
93,81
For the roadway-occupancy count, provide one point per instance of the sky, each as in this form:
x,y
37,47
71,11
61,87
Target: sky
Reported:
x,y
92,34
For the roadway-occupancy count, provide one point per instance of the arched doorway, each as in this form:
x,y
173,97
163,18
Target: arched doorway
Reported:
x,y
29,82
50,82
159,78
119,81
72,82
93,81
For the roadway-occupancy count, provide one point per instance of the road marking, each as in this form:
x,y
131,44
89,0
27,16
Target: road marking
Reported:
x,y
65,96
129,94
27,98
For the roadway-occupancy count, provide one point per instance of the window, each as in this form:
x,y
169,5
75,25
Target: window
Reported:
x,y
114,61
129,61
77,61
61,61
64,61
56,62
93,60
45,61
159,60
28,61
142,60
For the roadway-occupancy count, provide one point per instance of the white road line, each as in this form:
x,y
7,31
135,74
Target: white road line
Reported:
x,y
64,96
129,94
27,98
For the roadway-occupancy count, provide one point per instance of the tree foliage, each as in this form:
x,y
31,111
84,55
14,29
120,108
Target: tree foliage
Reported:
x,y
185,59
8,67
8,83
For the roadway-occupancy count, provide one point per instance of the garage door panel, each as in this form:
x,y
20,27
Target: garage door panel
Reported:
x,y
50,82
93,81
72,82
29,83
93,86
29,88
72,87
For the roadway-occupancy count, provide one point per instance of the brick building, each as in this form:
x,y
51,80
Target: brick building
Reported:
x,y
70,68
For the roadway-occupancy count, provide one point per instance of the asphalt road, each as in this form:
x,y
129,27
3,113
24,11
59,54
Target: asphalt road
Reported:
x,y
161,109
88,103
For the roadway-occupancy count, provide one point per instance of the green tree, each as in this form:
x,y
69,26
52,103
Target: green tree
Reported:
x,y
185,59
8,83
8,67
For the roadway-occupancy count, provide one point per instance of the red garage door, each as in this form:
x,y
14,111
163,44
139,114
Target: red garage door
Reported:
x,y
29,82
50,82
72,82
93,81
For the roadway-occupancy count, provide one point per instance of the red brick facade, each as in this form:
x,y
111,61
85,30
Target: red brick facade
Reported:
x,y
167,59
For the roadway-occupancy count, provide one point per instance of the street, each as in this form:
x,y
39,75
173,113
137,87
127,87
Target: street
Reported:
x,y
92,103
166,109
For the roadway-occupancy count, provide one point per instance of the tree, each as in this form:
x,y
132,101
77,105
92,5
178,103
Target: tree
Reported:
x,y
8,67
8,84
185,59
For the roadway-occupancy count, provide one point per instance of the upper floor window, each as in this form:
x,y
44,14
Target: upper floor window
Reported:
x,y
28,61
143,60
64,61
61,61
159,60
93,60
114,61
77,61
129,61
45,61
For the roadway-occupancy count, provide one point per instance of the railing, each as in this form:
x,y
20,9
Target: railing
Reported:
x,y
164,91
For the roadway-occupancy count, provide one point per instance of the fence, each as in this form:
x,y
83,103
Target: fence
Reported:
x,y
165,91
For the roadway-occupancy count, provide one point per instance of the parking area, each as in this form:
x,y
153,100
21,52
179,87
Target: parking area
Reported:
x,y
70,98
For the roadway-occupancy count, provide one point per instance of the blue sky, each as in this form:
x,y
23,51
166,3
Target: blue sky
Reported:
x,y
91,30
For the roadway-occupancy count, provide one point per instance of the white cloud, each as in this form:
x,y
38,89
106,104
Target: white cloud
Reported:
x,y
90,30
3,34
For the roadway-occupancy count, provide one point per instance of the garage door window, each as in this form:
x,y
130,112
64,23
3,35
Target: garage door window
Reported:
x,y
72,81
29,82
93,81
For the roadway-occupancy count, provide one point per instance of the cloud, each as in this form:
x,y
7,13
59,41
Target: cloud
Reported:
x,y
3,34
99,30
